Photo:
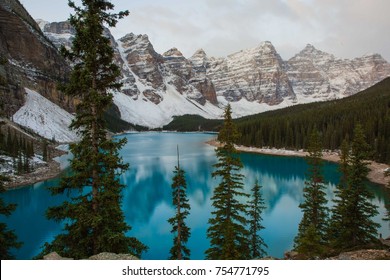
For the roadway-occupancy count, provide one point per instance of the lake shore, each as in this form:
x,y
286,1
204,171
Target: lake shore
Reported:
x,y
41,173
376,174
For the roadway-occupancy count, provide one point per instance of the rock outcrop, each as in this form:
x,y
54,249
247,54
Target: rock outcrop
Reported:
x,y
369,254
255,79
257,76
101,256
28,59
323,76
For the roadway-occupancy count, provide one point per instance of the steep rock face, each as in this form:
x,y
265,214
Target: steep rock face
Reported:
x,y
253,80
153,72
255,74
143,60
321,75
178,68
60,33
199,77
28,60
187,80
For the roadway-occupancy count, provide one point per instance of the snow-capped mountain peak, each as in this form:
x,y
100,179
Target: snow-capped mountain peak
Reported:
x,y
253,80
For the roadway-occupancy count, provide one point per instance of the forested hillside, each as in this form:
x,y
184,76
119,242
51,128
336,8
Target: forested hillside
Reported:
x,y
290,127
193,123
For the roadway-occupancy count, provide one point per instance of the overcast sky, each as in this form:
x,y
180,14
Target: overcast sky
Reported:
x,y
345,28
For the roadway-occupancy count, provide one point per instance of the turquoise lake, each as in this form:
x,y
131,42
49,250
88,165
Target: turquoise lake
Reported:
x,y
147,200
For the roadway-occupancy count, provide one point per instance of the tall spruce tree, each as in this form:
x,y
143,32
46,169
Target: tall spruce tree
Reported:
x,y
311,239
93,219
387,217
338,210
8,239
227,227
256,208
352,224
179,250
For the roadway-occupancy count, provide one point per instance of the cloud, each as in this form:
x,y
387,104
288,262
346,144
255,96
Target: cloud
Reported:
x,y
342,27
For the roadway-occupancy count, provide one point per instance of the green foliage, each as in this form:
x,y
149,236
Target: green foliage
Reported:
x,y
8,239
227,231
3,59
94,221
387,217
256,208
179,251
45,155
311,238
116,125
351,224
193,123
19,148
335,120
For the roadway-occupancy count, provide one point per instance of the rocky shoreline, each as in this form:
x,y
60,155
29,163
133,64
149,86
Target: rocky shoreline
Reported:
x,y
48,171
376,174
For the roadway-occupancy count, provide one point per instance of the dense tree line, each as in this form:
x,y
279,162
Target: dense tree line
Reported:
x,y
193,123
335,120
348,225
19,148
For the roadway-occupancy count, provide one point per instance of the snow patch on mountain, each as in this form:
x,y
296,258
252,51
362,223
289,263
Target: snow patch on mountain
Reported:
x,y
45,118
144,112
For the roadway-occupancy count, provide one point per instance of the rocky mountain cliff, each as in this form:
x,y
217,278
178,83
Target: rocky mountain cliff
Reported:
x,y
157,87
256,74
321,75
253,80
27,59
154,72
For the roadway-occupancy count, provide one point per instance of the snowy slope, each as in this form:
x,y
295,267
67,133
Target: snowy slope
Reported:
x,y
45,118
144,112
157,87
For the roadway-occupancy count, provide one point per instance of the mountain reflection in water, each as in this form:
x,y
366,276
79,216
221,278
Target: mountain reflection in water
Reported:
x,y
147,200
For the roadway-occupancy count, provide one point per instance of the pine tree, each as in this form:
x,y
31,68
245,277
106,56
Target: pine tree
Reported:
x,y
387,217
227,227
256,207
94,221
353,210
44,151
338,211
8,239
179,251
311,238
2,139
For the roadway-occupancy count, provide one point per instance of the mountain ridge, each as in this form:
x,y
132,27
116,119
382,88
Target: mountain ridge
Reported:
x,y
157,87
253,80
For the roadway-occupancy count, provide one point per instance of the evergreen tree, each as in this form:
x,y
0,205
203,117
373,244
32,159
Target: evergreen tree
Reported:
x,y
338,211
227,227
256,207
311,238
94,221
44,151
354,211
2,139
179,251
387,218
8,239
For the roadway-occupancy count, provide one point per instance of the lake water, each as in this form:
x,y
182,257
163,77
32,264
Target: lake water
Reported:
x,y
147,197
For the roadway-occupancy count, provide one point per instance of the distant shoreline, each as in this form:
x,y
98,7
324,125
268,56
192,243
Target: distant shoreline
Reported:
x,y
376,174
42,173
